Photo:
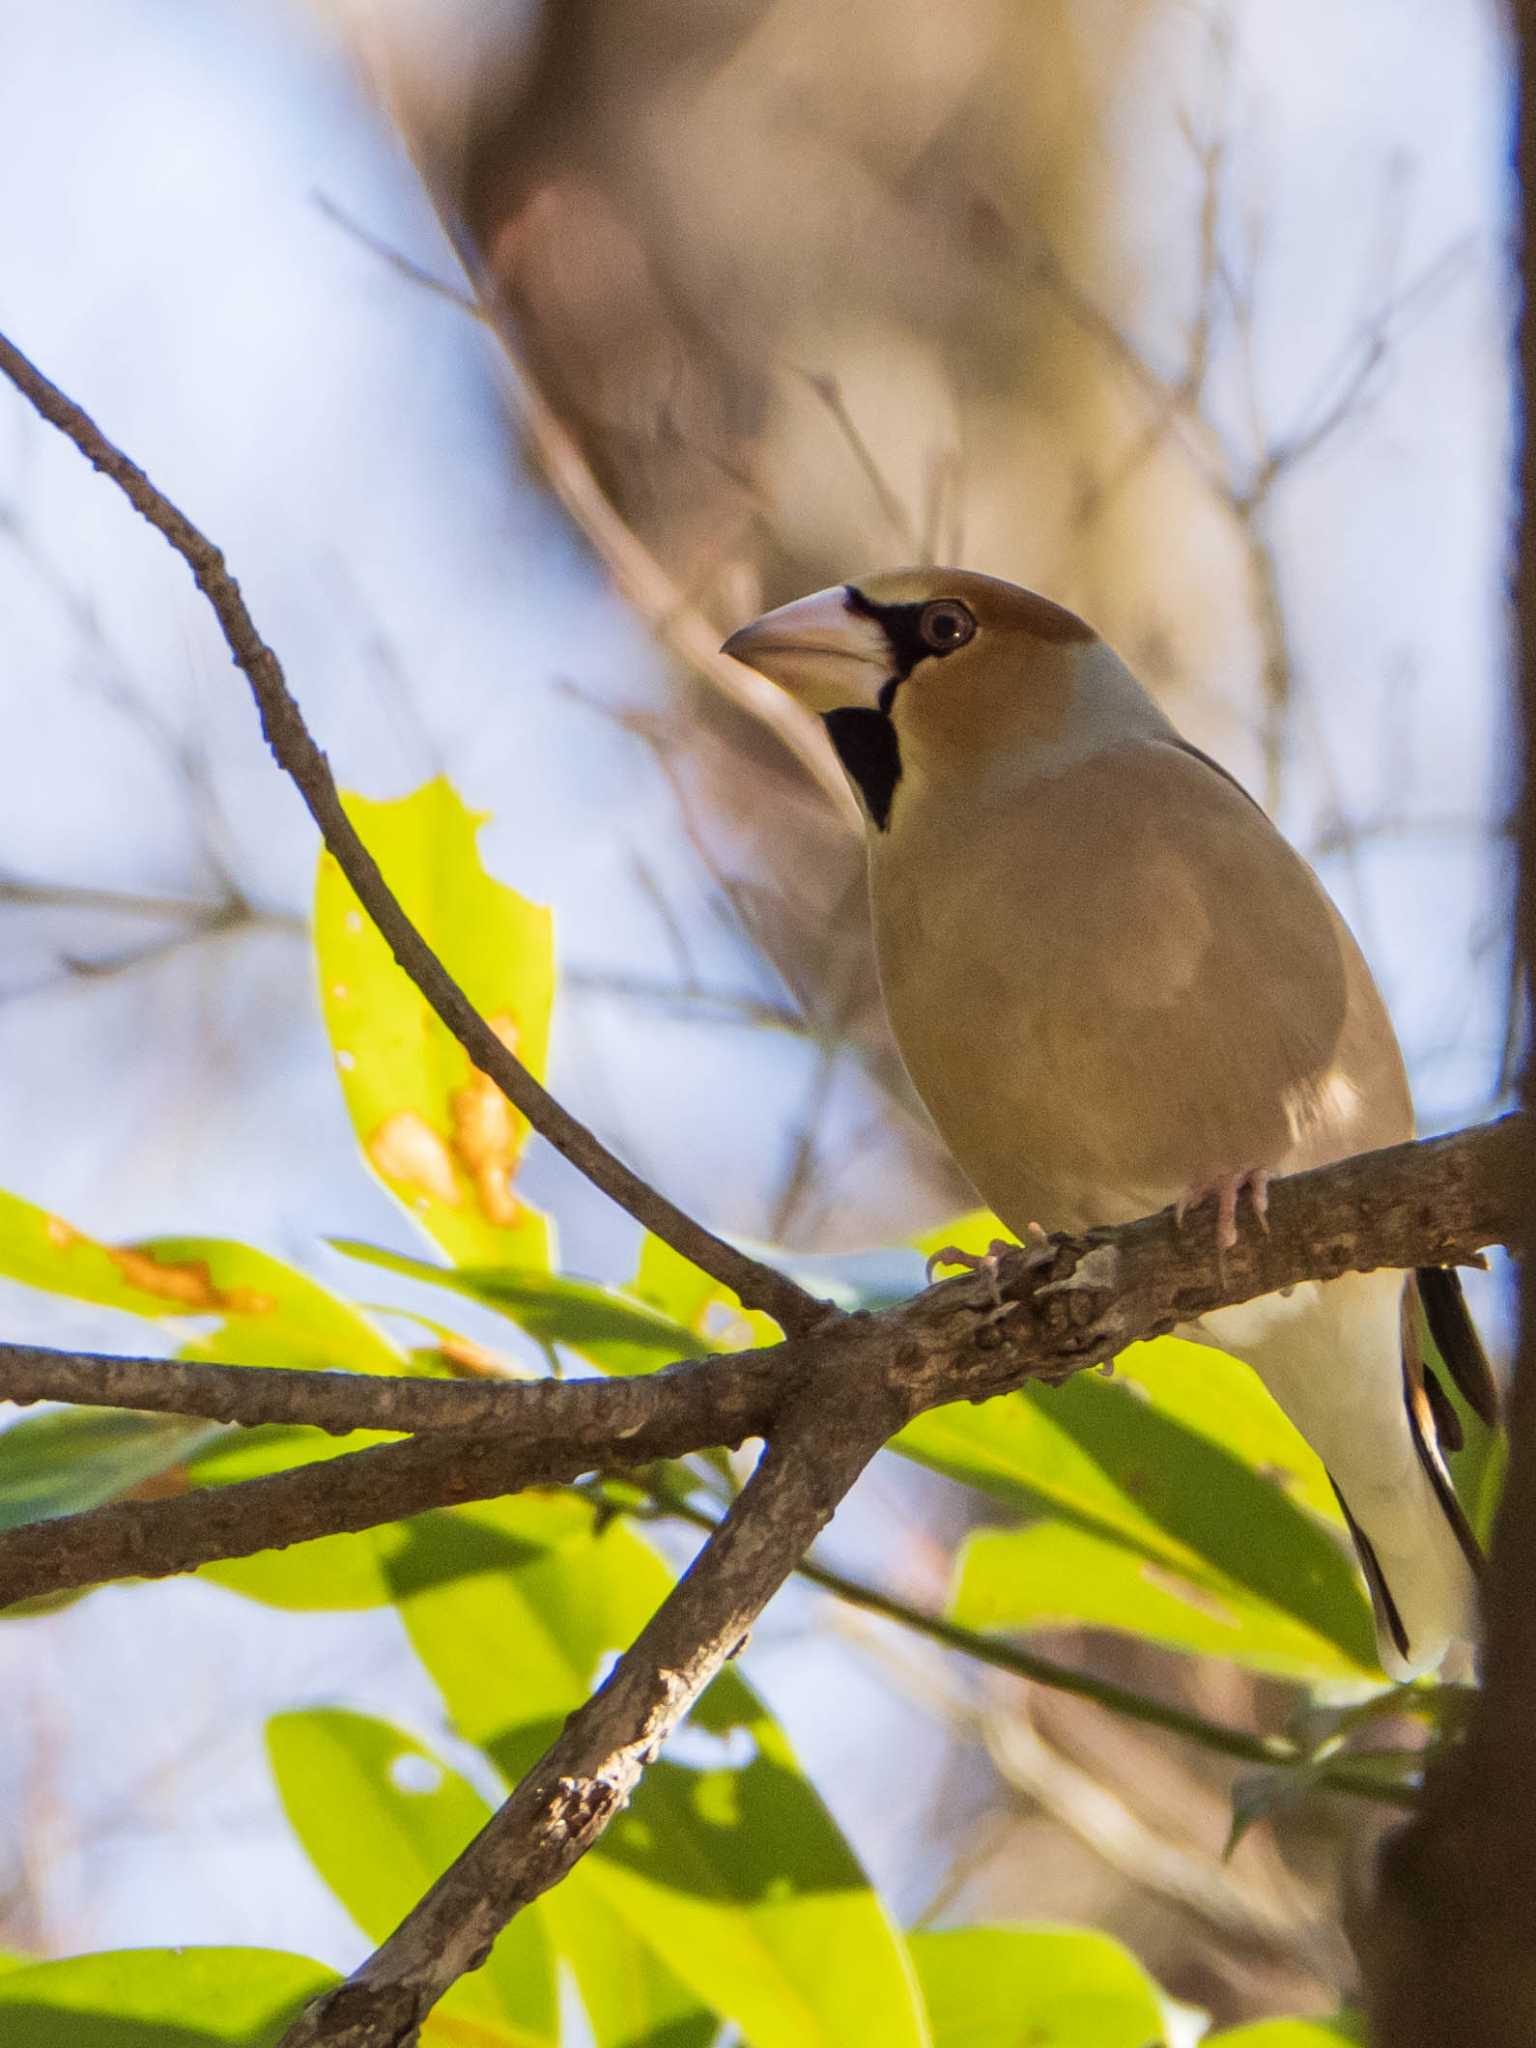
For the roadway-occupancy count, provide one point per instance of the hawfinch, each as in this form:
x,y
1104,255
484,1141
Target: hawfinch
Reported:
x,y
1115,987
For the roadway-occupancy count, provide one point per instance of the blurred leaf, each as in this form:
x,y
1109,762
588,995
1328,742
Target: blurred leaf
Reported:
x,y
998,1987
439,1135
330,1572
1258,1795
614,1331
158,1998
727,1866
381,1818
976,1231
631,1998
1184,1464
1051,1575
694,1298
1113,1452
275,1315
1342,2030
265,1311
70,1459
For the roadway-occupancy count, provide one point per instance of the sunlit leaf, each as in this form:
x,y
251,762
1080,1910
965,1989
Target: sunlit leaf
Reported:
x,y
381,1818
1184,1464
275,1315
631,1998
1342,2030
261,1310
694,1298
158,1998
998,1987
725,1865
439,1135
1052,1575
330,1572
614,1331
1114,1452
975,1232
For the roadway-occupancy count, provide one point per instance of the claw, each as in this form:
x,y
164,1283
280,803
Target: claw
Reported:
x,y
973,1262
1227,1192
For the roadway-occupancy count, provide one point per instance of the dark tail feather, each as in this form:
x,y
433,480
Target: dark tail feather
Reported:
x,y
1421,1420
1388,1620
1448,1430
1456,1339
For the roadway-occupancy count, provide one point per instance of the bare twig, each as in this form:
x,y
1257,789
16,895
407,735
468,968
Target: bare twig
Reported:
x,y
1017,1661
296,753
639,577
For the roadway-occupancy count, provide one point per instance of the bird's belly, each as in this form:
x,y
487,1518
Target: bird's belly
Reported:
x,y
1051,1127
1071,1095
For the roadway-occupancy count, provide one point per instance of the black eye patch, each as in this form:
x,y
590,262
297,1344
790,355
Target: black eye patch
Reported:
x,y
906,634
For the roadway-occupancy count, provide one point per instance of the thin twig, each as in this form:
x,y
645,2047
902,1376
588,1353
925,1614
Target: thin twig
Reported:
x,y
637,574
1017,1662
297,754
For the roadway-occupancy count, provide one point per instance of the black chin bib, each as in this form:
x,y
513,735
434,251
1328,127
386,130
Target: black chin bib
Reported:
x,y
867,747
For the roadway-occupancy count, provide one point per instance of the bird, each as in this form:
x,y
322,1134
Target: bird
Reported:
x,y
1116,988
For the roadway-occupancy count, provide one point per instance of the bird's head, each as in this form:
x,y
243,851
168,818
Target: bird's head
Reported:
x,y
937,672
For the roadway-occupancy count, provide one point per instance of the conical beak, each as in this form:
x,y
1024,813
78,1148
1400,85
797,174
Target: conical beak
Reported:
x,y
820,650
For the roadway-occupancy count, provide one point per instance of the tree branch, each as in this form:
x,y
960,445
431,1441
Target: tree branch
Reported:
x,y
587,1775
570,1427
1448,1953
1062,1307
824,1402
297,754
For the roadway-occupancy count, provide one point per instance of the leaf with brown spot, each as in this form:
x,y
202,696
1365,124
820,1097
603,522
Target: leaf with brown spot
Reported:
x,y
259,1309
439,1134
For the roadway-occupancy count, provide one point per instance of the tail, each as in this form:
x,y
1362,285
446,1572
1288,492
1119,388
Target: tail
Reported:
x,y
1345,1361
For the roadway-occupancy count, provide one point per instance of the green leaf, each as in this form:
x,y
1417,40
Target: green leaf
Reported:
x,y
631,1998
614,1331
381,1818
158,1998
70,1459
1184,1463
976,1232
727,1868
1139,1454
696,1299
325,1574
998,1987
439,1135
1342,2030
272,1314
264,1312
1052,1575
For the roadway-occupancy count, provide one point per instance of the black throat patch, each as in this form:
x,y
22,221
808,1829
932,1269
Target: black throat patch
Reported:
x,y
867,747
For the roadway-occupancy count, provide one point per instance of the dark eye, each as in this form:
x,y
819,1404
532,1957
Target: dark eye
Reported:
x,y
945,625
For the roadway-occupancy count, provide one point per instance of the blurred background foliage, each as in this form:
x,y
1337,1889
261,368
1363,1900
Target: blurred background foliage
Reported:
x,y
515,354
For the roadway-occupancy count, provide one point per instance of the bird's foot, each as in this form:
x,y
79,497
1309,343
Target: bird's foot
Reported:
x,y
1227,1192
974,1262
